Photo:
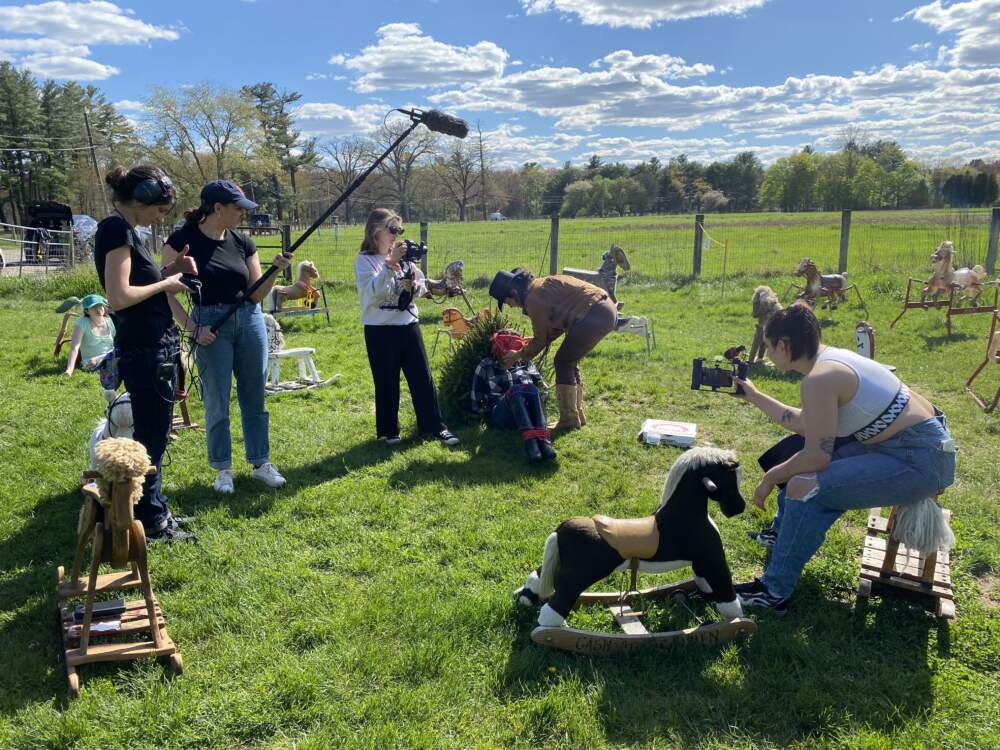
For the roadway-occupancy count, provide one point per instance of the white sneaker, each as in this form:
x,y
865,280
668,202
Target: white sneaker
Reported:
x,y
269,475
224,481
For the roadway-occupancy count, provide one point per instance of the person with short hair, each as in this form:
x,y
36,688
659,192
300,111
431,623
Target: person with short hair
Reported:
x,y
387,286
228,265
146,340
93,335
867,440
558,305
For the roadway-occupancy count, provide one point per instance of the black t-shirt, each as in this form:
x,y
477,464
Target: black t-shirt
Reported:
x,y
145,323
222,264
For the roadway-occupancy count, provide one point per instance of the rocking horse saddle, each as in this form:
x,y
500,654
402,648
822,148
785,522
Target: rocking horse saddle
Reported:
x,y
629,537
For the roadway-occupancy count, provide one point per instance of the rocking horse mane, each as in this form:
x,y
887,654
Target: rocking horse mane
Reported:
x,y
691,460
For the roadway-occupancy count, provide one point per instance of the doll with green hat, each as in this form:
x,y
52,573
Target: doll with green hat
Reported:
x,y
93,335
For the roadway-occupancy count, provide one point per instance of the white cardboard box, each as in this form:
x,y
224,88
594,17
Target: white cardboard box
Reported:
x,y
667,432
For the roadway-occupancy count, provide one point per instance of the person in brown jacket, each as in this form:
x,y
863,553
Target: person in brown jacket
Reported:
x,y
558,305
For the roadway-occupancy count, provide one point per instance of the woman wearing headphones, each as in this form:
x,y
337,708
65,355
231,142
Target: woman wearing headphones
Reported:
x,y
228,265
146,340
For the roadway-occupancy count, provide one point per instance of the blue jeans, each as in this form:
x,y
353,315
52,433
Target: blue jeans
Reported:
x,y
240,349
916,464
502,415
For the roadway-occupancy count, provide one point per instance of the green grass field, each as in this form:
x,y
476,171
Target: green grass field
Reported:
x,y
368,603
661,247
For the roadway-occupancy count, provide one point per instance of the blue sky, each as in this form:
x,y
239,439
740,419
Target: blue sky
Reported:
x,y
550,80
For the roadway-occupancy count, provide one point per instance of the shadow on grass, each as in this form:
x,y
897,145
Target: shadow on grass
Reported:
x,y
31,659
933,343
833,666
39,366
257,500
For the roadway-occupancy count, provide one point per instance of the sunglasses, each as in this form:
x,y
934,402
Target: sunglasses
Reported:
x,y
395,231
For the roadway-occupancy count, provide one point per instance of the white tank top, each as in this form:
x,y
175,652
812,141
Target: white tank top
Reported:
x,y
877,389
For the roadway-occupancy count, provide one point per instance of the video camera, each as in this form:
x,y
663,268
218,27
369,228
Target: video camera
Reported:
x,y
415,251
721,376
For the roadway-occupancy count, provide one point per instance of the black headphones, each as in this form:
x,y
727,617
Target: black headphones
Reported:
x,y
153,190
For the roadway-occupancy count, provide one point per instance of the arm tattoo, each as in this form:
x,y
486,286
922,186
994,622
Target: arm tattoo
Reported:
x,y
787,416
826,445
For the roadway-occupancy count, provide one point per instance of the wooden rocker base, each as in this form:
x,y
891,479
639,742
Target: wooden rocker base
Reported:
x,y
635,636
992,357
888,567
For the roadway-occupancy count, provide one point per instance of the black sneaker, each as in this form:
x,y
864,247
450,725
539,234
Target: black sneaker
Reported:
x,y
755,594
169,534
447,438
180,522
766,537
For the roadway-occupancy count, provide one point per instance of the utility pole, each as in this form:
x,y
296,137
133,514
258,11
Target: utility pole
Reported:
x,y
93,160
482,171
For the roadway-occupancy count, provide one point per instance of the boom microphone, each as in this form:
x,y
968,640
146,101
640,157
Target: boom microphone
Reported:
x,y
439,122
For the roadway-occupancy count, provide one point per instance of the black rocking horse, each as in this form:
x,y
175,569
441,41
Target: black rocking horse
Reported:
x,y
680,533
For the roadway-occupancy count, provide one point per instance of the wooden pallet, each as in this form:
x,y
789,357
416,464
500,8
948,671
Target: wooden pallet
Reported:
x,y
888,566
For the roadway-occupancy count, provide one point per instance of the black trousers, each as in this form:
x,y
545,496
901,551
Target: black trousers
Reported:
x,y
392,349
149,374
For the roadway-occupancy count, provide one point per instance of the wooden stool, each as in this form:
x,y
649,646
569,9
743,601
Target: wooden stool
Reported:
x,y
119,539
887,565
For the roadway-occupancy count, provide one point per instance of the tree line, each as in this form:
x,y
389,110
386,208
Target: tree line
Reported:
x,y
202,132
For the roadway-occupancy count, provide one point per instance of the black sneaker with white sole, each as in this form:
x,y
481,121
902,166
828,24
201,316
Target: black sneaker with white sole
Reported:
x,y
766,537
756,594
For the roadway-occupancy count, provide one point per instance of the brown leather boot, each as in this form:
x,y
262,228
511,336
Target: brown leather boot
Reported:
x,y
569,417
579,403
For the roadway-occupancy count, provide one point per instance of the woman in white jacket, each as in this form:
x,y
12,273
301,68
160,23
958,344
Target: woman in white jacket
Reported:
x,y
387,287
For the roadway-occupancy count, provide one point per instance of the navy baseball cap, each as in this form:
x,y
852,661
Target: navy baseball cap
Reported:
x,y
224,191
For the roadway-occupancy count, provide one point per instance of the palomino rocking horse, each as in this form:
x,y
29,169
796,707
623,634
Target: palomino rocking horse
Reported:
x,y
449,285
680,533
966,283
606,276
831,286
107,524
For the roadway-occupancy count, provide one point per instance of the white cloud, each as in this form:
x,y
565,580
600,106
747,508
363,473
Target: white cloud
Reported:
x,y
919,47
58,35
330,120
129,105
974,23
406,58
639,14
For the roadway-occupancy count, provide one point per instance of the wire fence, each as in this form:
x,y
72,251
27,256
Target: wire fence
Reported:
x,y
658,247
663,247
26,250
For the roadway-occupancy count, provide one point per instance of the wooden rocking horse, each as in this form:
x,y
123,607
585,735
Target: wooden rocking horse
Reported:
x,y
455,325
833,287
606,276
106,523
966,283
449,285
680,533
992,357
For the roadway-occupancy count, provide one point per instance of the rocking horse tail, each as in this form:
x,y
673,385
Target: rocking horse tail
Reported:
x,y
923,527
550,566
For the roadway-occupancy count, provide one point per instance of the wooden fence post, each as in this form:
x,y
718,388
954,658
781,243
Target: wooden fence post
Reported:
x,y
991,253
699,235
423,238
554,247
845,238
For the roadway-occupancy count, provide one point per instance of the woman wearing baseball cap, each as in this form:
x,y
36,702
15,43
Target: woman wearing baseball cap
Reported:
x,y
146,340
228,265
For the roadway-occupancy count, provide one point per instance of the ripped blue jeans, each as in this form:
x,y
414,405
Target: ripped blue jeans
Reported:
x,y
916,464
